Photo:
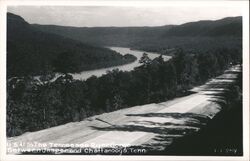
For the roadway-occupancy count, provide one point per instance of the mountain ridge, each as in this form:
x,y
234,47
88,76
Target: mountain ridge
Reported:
x,y
32,52
158,26
151,38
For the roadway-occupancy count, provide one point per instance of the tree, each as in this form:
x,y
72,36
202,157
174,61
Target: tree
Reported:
x,y
145,60
117,102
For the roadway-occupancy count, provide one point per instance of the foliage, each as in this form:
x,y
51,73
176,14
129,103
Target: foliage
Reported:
x,y
34,106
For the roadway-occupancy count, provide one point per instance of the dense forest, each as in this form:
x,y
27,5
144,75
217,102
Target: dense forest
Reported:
x,y
34,52
205,35
33,105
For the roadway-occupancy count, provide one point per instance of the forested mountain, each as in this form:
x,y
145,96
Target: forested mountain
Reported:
x,y
231,26
107,36
194,35
33,106
33,52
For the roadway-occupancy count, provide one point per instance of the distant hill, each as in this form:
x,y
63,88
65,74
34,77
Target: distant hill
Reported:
x,y
106,36
225,32
32,52
231,26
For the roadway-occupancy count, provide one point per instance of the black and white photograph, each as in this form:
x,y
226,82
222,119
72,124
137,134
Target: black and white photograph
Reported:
x,y
121,80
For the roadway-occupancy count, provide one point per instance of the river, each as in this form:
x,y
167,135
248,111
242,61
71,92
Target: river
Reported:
x,y
126,67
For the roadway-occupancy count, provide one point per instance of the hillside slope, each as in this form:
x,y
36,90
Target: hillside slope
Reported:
x,y
225,32
33,52
106,36
230,26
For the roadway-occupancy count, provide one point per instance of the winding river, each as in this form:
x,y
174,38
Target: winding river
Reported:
x,y
126,67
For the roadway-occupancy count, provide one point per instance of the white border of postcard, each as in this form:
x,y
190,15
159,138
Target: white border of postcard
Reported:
x,y
243,4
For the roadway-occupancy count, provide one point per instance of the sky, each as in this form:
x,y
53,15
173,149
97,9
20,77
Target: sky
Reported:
x,y
91,16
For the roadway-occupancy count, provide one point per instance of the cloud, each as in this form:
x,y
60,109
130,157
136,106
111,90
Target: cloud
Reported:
x,y
120,16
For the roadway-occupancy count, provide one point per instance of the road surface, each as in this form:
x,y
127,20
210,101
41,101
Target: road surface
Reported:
x,y
152,126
